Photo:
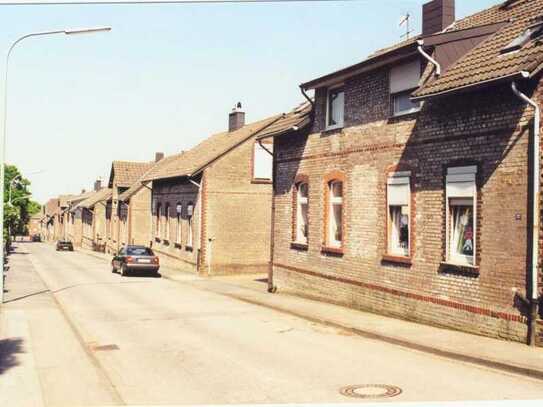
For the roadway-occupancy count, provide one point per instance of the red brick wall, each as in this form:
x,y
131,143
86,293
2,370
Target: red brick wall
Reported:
x,y
488,128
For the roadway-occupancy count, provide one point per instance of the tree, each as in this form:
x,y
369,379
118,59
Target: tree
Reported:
x,y
17,212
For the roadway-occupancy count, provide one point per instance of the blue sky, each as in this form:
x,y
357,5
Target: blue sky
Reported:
x,y
166,76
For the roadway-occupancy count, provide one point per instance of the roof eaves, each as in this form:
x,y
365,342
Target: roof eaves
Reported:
x,y
197,171
373,62
516,75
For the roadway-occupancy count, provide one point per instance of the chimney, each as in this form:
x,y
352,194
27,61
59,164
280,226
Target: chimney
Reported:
x,y
436,16
236,119
158,156
98,184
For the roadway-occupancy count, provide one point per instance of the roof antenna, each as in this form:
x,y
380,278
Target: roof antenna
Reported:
x,y
404,20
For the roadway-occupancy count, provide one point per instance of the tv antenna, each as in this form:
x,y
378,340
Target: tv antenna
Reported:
x,y
404,21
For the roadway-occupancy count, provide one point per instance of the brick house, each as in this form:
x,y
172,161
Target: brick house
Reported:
x,y
410,192
93,219
135,213
211,205
123,174
77,219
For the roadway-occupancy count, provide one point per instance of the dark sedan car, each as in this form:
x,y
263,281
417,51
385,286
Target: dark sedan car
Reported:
x,y
135,258
65,245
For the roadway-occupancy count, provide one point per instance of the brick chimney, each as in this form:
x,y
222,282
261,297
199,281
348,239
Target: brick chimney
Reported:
x,y
436,16
98,184
158,156
236,118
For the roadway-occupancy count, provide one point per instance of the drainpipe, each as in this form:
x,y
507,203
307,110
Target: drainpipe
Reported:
x,y
199,186
307,97
535,208
428,57
272,288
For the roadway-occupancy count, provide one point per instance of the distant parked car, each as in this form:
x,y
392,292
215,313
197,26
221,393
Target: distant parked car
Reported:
x,y
135,258
65,245
36,238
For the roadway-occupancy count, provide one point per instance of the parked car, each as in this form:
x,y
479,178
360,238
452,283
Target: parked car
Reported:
x,y
65,245
135,258
36,238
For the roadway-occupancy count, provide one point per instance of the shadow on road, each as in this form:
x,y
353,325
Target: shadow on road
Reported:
x,y
9,348
143,274
26,296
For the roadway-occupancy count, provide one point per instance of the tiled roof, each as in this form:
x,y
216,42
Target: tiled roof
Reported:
x,y
298,117
485,63
51,207
102,195
74,200
128,172
64,200
136,186
192,161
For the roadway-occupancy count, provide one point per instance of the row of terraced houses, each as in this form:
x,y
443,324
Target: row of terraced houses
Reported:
x,y
407,184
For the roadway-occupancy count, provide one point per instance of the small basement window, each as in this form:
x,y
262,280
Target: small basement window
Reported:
x,y
404,79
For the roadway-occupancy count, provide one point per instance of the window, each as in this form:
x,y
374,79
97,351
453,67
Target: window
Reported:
x,y
158,221
178,210
302,207
334,235
461,215
533,32
403,80
138,251
262,161
190,210
335,108
167,222
398,208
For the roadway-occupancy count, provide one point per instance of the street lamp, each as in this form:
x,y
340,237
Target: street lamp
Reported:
x,y
4,134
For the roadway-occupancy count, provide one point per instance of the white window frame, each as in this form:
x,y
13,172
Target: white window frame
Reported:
x,y
178,211
300,200
158,220
190,236
332,242
404,78
167,225
398,178
328,91
461,184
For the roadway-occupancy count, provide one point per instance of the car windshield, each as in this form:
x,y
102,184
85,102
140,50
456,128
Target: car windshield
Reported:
x,y
139,251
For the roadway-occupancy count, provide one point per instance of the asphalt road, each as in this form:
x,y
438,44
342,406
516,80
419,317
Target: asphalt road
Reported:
x,y
157,341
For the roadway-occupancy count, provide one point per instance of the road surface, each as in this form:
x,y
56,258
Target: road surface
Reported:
x,y
147,340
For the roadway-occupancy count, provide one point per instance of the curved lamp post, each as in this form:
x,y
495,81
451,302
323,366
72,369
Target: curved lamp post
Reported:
x,y
4,134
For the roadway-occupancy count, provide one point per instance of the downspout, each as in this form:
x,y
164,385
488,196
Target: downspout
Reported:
x,y
271,287
535,208
308,98
199,241
428,57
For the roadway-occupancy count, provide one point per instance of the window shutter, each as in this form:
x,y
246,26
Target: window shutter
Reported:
x,y
398,188
461,182
405,77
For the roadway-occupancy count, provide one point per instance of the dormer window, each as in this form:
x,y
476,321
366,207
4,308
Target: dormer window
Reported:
x,y
404,79
335,108
533,32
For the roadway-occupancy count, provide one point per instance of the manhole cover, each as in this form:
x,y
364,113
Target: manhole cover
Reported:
x,y
371,391
105,347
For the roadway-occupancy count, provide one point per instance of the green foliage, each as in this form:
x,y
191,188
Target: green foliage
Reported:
x,y
18,207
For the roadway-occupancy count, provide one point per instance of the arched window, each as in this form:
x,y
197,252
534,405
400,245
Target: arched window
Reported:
x,y
334,208
301,211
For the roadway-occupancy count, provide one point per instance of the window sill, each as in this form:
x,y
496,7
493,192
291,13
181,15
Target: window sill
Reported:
x,y
390,258
261,181
335,251
299,246
188,248
332,128
403,114
467,270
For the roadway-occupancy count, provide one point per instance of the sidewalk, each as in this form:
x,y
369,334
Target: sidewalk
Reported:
x,y
507,356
